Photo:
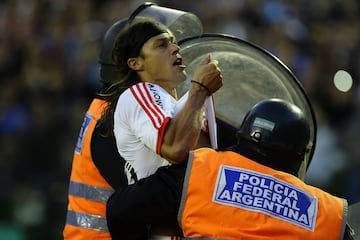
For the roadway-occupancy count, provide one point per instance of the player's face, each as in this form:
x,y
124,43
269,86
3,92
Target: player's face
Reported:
x,y
161,62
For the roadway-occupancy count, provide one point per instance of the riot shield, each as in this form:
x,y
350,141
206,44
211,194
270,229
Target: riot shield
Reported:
x,y
250,74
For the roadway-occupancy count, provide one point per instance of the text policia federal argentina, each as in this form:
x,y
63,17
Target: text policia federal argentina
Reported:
x,y
260,192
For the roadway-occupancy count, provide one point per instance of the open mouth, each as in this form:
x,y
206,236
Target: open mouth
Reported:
x,y
179,63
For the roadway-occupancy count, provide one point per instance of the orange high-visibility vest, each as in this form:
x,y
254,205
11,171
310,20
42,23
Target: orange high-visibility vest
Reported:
x,y
88,190
228,196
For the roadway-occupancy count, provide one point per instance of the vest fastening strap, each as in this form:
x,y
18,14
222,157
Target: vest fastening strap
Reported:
x,y
88,221
89,192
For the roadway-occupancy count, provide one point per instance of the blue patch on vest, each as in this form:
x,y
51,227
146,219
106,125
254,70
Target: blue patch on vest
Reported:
x,y
263,193
82,133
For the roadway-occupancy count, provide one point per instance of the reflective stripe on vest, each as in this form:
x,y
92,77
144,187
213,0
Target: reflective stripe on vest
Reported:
x,y
93,193
88,221
88,192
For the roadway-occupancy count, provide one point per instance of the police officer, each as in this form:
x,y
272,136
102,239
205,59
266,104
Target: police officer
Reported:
x,y
97,167
248,191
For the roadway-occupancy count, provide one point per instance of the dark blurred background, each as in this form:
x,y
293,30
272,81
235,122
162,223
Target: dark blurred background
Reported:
x,y
49,73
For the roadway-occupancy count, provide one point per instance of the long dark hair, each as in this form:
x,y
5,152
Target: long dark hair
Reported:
x,y
128,43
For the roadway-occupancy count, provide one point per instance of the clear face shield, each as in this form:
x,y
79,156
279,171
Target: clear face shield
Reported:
x,y
182,24
250,74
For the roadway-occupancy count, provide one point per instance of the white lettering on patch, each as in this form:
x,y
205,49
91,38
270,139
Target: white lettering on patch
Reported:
x,y
259,192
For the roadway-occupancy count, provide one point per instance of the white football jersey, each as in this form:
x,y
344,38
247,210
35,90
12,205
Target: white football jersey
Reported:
x,y
140,120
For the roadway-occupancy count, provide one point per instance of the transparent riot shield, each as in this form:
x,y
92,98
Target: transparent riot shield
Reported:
x,y
250,74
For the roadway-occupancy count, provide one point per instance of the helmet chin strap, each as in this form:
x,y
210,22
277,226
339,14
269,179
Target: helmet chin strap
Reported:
x,y
301,173
305,163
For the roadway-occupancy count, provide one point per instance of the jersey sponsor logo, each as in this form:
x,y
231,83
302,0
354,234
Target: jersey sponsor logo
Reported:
x,y
156,96
84,128
263,193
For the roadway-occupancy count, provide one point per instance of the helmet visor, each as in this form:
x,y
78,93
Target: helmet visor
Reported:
x,y
182,24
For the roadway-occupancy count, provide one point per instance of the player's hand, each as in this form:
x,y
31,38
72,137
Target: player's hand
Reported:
x,y
208,74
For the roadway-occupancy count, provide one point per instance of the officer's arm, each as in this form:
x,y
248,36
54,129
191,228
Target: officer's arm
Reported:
x,y
106,156
152,200
349,233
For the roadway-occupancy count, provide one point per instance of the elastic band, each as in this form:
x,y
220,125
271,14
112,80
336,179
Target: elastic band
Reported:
x,y
202,85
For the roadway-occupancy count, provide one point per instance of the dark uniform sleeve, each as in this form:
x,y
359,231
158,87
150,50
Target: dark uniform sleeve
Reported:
x,y
152,200
106,156
349,233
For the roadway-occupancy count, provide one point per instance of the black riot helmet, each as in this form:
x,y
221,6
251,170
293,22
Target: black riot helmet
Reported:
x,y
108,71
181,24
279,132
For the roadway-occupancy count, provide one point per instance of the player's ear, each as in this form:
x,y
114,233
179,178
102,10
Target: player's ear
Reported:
x,y
135,63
